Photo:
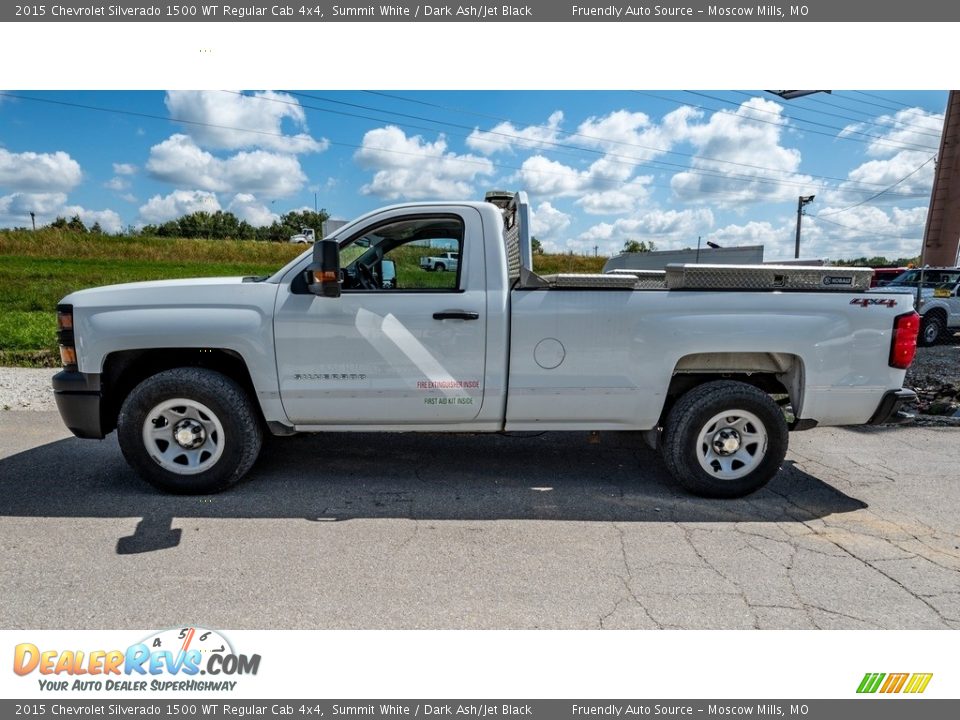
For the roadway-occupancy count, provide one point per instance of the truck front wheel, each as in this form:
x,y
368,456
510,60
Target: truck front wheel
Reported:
x,y
189,431
724,439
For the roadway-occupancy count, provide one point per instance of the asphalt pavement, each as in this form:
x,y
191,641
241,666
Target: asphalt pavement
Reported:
x,y
859,530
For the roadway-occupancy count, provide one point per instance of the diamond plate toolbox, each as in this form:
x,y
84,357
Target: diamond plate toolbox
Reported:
x,y
767,277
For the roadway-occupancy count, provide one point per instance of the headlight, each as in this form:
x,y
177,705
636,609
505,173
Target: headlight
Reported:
x,y
68,349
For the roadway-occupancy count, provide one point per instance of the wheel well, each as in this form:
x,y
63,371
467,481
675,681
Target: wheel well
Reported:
x,y
938,311
124,370
774,373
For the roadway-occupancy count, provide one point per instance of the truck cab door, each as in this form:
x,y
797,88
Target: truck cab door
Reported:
x,y
406,352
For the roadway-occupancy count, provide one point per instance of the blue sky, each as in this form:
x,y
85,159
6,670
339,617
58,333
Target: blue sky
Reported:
x,y
601,167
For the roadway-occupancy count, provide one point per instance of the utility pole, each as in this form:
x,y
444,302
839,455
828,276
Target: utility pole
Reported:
x,y
314,203
596,249
941,237
801,202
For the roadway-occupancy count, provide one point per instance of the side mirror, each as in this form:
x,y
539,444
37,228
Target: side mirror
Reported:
x,y
388,274
323,274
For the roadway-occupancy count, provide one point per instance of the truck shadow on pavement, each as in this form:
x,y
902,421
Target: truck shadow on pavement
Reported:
x,y
336,477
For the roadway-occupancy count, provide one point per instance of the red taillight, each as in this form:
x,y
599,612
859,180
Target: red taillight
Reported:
x,y
904,344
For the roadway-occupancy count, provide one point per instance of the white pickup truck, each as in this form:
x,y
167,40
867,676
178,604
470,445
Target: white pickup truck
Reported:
x,y
936,293
715,363
439,263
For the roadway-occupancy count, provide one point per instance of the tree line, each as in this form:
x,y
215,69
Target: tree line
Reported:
x,y
219,225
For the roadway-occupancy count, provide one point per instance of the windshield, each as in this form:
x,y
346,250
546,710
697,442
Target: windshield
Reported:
x,y
931,278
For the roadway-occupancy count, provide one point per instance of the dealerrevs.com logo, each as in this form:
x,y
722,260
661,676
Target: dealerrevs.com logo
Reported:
x,y
169,660
910,683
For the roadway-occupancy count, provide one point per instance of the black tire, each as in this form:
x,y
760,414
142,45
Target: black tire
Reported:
x,y
932,329
691,417
234,451
440,267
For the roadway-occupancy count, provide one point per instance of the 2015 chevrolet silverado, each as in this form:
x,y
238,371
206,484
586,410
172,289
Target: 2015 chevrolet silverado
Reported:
x,y
192,373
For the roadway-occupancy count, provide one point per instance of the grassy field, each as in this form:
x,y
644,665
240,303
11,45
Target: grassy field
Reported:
x,y
37,269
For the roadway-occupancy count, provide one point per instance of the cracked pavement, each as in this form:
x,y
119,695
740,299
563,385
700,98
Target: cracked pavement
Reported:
x,y
859,530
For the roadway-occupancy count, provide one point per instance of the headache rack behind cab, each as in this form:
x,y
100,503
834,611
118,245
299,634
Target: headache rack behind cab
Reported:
x,y
516,237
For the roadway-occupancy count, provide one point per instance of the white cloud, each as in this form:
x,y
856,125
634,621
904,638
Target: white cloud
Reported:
x,y
129,197
546,222
910,126
179,161
505,136
159,209
39,172
548,178
623,199
124,169
109,220
246,207
633,135
906,172
15,210
608,185
117,183
902,170
669,229
750,136
860,232
225,116
410,167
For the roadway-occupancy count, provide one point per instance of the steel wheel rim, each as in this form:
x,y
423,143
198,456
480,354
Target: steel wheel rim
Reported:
x,y
183,436
931,331
731,444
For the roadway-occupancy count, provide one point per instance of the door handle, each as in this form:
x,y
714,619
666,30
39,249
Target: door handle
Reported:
x,y
456,315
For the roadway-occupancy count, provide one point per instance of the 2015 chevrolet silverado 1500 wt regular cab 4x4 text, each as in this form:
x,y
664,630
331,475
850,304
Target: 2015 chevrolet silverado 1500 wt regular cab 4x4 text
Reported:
x,y
191,373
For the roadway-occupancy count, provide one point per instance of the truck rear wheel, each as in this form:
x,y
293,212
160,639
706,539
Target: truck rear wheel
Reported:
x,y
724,439
189,431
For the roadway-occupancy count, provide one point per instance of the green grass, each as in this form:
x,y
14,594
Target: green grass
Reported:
x,y
38,269
551,264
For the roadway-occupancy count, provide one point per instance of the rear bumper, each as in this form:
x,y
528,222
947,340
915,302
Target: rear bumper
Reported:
x,y
889,411
78,400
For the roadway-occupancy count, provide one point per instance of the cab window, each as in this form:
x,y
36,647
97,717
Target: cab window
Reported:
x,y
421,253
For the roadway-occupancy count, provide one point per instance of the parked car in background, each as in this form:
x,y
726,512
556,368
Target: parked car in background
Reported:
x,y
937,303
445,261
306,236
884,276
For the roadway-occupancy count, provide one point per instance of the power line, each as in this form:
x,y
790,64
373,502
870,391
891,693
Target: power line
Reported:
x,y
867,102
880,97
619,159
866,200
896,122
922,130
781,124
851,227
485,163
612,183
875,139
616,142
629,161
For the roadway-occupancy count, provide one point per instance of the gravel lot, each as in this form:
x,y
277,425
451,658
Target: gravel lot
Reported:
x,y
26,389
